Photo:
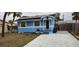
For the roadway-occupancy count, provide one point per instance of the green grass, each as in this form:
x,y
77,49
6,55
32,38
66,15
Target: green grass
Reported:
x,y
75,34
16,39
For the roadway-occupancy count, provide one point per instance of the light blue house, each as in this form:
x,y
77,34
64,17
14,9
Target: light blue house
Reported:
x,y
41,24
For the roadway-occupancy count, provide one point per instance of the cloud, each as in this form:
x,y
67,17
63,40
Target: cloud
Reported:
x,y
33,14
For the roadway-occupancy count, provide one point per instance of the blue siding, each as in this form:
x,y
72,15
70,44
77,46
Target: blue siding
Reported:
x,y
26,30
32,29
29,29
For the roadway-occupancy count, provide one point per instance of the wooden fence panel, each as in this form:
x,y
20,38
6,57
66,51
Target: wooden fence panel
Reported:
x,y
74,27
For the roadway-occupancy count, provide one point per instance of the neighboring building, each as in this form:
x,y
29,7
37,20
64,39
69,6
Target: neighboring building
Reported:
x,y
0,23
36,24
1,26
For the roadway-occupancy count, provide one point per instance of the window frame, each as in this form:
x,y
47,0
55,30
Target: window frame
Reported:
x,y
21,24
35,23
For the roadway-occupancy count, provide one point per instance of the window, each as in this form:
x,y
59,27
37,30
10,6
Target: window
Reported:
x,y
37,23
29,23
22,24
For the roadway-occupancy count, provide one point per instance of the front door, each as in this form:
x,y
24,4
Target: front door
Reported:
x,y
47,24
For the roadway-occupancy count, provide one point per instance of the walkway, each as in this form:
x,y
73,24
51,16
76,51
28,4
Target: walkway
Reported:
x,y
59,39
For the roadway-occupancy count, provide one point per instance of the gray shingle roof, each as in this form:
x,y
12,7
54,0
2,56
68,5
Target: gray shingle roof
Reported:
x,y
29,17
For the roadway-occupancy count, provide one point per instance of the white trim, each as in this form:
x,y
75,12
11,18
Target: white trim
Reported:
x,y
34,24
25,24
20,24
43,24
35,27
40,23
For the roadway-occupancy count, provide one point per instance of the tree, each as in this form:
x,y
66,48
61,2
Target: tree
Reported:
x,y
15,14
10,22
75,16
3,24
57,15
18,14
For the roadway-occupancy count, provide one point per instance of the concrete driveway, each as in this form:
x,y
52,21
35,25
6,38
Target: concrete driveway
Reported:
x,y
59,39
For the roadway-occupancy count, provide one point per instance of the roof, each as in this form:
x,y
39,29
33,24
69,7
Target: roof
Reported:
x,y
33,17
29,17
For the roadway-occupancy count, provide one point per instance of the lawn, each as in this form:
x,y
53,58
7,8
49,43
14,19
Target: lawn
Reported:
x,y
16,39
75,34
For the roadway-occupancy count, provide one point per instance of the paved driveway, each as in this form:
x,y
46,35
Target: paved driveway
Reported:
x,y
59,39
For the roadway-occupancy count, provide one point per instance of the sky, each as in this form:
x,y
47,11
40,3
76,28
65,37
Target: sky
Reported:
x,y
67,16
36,13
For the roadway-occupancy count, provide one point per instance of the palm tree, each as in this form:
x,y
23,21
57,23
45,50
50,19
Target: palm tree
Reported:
x,y
75,16
57,15
10,22
18,14
15,14
9,25
3,24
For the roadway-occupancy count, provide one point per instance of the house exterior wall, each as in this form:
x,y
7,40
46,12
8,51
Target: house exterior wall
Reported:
x,y
46,24
31,28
